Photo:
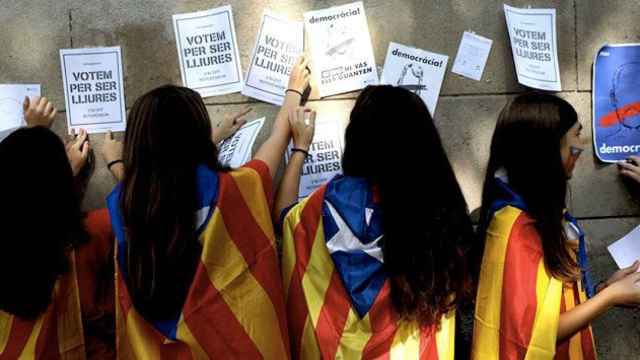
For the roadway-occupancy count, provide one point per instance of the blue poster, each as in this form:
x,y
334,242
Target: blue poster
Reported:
x,y
616,102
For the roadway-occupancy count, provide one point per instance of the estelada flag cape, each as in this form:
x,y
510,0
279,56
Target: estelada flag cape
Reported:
x,y
336,289
518,304
234,308
56,334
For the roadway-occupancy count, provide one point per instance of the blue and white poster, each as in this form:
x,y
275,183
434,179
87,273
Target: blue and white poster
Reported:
x,y
616,102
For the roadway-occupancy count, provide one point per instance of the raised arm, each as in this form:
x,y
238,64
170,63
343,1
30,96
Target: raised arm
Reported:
x,y
38,111
272,150
302,122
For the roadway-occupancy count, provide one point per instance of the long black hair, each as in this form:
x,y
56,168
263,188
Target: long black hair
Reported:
x,y
168,135
392,141
41,219
527,144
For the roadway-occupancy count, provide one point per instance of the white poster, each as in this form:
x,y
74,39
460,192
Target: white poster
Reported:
x,y
534,46
93,89
341,50
626,250
11,104
325,157
208,51
236,150
279,44
418,70
472,56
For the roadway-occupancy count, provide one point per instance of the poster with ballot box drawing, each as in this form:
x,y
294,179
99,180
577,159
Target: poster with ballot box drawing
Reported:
x,y
341,52
616,102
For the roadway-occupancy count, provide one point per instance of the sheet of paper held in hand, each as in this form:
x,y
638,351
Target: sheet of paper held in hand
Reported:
x,y
93,89
278,46
236,150
626,250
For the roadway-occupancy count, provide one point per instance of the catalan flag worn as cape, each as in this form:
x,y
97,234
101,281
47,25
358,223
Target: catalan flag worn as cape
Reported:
x,y
234,308
337,292
519,303
56,334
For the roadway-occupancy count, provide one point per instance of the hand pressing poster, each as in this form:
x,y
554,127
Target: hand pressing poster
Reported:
x,y
325,157
93,89
616,102
236,150
208,51
534,46
11,104
418,70
341,49
279,44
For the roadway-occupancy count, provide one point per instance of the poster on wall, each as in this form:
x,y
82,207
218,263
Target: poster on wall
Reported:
x,y
472,56
535,47
93,89
325,157
341,52
616,102
236,150
11,104
415,69
279,44
208,51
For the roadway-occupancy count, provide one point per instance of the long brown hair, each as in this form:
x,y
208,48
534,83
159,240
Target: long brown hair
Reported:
x,y
168,136
427,230
41,219
527,144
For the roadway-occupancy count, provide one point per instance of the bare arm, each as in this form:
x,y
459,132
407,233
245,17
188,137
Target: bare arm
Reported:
x,y
302,138
625,291
272,150
579,317
112,152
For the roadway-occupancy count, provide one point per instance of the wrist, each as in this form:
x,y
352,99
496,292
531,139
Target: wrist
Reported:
x,y
294,91
302,146
601,285
303,152
608,296
113,163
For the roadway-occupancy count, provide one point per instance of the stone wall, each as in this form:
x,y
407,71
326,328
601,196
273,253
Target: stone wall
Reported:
x,y
34,30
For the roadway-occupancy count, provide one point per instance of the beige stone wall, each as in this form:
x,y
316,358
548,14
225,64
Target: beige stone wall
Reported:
x,y
34,30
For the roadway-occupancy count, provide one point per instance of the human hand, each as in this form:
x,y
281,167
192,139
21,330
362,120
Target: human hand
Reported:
x,y
78,151
229,125
38,111
303,122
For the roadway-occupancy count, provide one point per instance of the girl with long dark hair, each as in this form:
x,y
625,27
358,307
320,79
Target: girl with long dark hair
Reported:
x,y
535,296
374,260
56,261
197,268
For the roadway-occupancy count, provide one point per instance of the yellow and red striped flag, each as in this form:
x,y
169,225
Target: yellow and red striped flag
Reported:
x,y
235,307
518,304
337,294
56,334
